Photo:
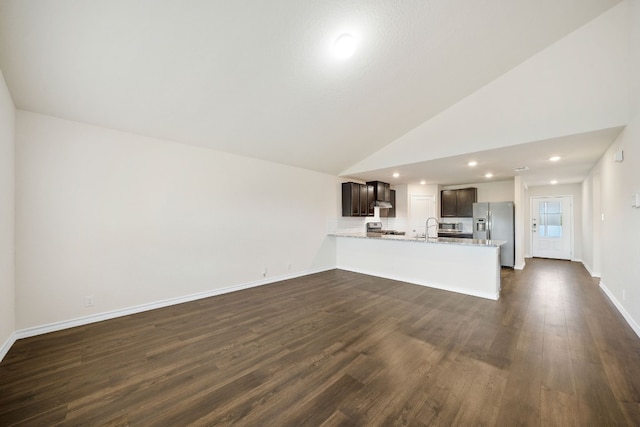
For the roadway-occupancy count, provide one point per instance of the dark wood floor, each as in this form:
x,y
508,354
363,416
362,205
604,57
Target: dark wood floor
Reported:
x,y
339,348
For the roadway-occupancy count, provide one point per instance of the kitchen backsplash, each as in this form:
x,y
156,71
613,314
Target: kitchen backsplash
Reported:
x,y
356,224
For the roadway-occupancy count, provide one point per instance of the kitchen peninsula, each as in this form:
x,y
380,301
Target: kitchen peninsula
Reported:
x,y
468,266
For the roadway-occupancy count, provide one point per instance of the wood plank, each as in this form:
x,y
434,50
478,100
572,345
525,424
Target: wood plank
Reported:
x,y
559,409
341,349
520,403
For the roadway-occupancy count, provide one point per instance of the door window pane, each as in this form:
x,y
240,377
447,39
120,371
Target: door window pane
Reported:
x,y
551,219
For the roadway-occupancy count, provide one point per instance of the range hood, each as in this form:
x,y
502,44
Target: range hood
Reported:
x,y
382,205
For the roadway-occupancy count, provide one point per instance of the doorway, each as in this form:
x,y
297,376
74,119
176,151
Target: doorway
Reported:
x,y
551,219
422,207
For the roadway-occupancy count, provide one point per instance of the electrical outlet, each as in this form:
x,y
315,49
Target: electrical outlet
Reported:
x,y
264,272
89,300
289,267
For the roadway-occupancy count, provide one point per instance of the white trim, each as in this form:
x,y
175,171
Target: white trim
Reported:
x,y
520,266
621,309
7,345
571,217
425,283
591,272
85,320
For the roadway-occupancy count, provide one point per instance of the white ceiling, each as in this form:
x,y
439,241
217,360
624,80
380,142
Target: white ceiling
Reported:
x,y
578,154
257,78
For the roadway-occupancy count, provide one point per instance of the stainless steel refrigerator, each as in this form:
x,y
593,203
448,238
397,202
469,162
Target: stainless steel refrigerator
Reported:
x,y
495,221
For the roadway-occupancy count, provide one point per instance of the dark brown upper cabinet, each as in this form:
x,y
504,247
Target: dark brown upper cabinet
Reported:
x,y
366,200
449,203
466,198
458,203
381,191
351,199
357,199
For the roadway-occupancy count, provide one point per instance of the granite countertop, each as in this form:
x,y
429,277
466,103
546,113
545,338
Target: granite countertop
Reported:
x,y
437,240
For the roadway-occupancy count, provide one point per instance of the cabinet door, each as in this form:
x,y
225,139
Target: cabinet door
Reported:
x,y
466,198
378,189
392,212
371,198
381,190
448,203
364,200
350,199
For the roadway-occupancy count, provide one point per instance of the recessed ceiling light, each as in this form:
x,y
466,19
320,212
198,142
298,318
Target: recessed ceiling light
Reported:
x,y
345,46
521,169
396,174
554,158
554,182
472,163
488,175
423,182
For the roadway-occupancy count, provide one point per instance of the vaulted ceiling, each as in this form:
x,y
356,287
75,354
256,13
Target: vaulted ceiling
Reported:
x,y
258,78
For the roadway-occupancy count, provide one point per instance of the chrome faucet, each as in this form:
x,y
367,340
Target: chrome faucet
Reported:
x,y
426,230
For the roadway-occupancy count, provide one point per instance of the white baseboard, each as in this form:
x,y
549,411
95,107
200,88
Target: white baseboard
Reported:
x,y
434,285
85,320
634,325
520,266
7,345
591,272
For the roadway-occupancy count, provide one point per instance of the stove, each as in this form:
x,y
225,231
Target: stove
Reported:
x,y
374,229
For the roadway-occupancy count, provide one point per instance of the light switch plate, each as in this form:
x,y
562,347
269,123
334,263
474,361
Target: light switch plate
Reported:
x,y
618,156
635,200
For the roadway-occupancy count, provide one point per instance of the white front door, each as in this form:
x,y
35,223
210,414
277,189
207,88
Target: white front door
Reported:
x,y
551,227
422,207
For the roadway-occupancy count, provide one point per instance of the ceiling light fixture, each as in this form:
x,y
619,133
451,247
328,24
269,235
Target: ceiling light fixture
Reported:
x,y
345,46
396,174
488,175
554,182
554,158
472,163
423,182
521,169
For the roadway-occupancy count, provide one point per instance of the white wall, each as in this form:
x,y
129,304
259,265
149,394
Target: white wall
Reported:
x,y
402,201
574,190
591,223
615,246
135,220
7,265
619,258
